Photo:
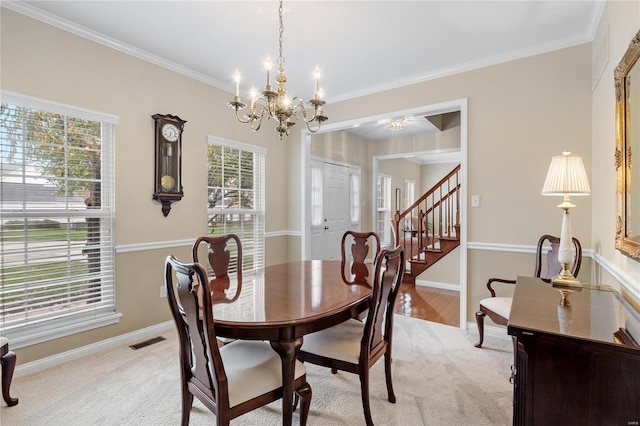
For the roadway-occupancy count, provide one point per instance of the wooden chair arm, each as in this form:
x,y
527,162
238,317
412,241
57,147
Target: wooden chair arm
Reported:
x,y
500,280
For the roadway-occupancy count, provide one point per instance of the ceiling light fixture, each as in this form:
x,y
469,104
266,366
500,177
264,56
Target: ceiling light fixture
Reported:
x,y
396,124
278,105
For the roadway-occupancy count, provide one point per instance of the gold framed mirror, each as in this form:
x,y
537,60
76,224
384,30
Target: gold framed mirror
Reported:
x,y
627,84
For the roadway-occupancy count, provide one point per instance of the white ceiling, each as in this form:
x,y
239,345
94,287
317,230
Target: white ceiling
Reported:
x,y
361,47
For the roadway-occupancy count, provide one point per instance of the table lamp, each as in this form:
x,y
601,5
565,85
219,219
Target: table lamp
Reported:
x,y
566,177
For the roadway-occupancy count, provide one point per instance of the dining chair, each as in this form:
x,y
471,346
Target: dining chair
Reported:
x,y
354,346
224,254
8,362
355,247
498,308
230,380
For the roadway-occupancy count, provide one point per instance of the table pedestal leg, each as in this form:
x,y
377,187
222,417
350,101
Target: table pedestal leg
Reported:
x,y
288,351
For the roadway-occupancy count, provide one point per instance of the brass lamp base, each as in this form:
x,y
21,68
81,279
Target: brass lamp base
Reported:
x,y
565,279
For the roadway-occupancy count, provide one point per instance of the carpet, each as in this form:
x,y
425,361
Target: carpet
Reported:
x,y
439,378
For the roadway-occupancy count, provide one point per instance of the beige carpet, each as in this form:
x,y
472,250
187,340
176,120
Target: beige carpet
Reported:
x,y
440,378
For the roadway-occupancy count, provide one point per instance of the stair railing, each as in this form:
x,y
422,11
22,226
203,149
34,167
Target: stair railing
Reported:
x,y
440,206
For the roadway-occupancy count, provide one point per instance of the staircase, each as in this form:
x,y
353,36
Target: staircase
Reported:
x,y
429,229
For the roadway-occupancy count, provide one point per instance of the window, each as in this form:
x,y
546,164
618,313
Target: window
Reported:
x,y
408,199
316,195
57,220
383,208
409,193
354,197
235,196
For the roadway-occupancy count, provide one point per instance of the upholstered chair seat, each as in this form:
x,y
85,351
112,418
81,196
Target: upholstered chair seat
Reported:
x,y
253,368
499,305
340,342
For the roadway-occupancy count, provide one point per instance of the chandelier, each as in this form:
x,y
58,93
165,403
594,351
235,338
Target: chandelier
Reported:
x,y
276,104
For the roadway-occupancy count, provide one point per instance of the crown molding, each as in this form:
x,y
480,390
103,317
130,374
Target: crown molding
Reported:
x,y
35,13
79,30
469,66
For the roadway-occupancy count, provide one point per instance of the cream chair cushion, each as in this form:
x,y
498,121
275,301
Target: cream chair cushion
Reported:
x,y
253,368
3,341
339,342
499,305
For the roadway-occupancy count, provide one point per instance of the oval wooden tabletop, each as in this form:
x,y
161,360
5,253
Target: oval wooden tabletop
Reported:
x,y
289,300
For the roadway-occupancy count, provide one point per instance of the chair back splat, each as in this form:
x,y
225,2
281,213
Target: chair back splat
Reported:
x,y
354,346
230,380
355,248
224,254
389,267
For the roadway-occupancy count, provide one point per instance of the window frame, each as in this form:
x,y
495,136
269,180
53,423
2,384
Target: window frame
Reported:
x,y
253,241
383,205
71,321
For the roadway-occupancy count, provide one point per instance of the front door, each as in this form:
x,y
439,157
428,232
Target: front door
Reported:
x,y
325,240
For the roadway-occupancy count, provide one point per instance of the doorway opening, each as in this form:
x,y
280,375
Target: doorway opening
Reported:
x,y
333,139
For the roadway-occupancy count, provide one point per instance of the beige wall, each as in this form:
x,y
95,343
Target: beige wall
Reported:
x,y
48,63
619,23
520,114
432,173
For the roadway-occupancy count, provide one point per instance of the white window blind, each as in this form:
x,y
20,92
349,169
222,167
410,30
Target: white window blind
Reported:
x,y
408,193
383,208
236,196
56,219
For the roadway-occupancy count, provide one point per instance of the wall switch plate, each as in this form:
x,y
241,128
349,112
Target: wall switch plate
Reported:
x,y
163,291
475,201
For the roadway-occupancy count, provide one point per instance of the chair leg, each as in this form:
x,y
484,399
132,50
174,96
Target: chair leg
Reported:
x,y
387,373
296,399
304,393
8,362
364,387
480,321
187,402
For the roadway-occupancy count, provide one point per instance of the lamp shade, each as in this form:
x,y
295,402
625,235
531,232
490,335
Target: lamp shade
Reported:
x,y
566,175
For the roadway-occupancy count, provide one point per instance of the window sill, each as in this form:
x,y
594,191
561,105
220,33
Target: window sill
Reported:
x,y
32,337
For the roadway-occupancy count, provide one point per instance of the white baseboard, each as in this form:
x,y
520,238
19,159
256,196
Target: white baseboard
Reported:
x,y
435,284
114,342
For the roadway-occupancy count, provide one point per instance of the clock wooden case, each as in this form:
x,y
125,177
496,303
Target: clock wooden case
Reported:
x,y
168,156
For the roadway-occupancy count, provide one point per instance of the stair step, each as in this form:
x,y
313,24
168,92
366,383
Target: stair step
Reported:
x,y
431,250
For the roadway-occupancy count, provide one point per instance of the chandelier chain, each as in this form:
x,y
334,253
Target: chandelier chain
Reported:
x,y
280,13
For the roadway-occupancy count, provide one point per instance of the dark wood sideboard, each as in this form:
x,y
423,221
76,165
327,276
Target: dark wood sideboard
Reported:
x,y
577,364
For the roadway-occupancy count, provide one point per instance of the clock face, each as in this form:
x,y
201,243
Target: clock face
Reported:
x,y
170,132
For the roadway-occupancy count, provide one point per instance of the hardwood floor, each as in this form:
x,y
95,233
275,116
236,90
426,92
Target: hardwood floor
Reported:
x,y
428,303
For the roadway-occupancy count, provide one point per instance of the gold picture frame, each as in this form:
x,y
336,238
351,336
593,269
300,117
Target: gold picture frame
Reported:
x,y
627,141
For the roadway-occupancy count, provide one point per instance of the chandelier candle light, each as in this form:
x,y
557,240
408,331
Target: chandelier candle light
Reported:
x,y
566,177
276,104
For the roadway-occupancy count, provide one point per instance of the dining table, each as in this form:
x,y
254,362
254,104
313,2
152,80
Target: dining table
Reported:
x,y
282,303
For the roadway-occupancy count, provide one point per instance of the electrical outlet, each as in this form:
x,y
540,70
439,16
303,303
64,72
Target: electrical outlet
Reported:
x,y
163,291
475,201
